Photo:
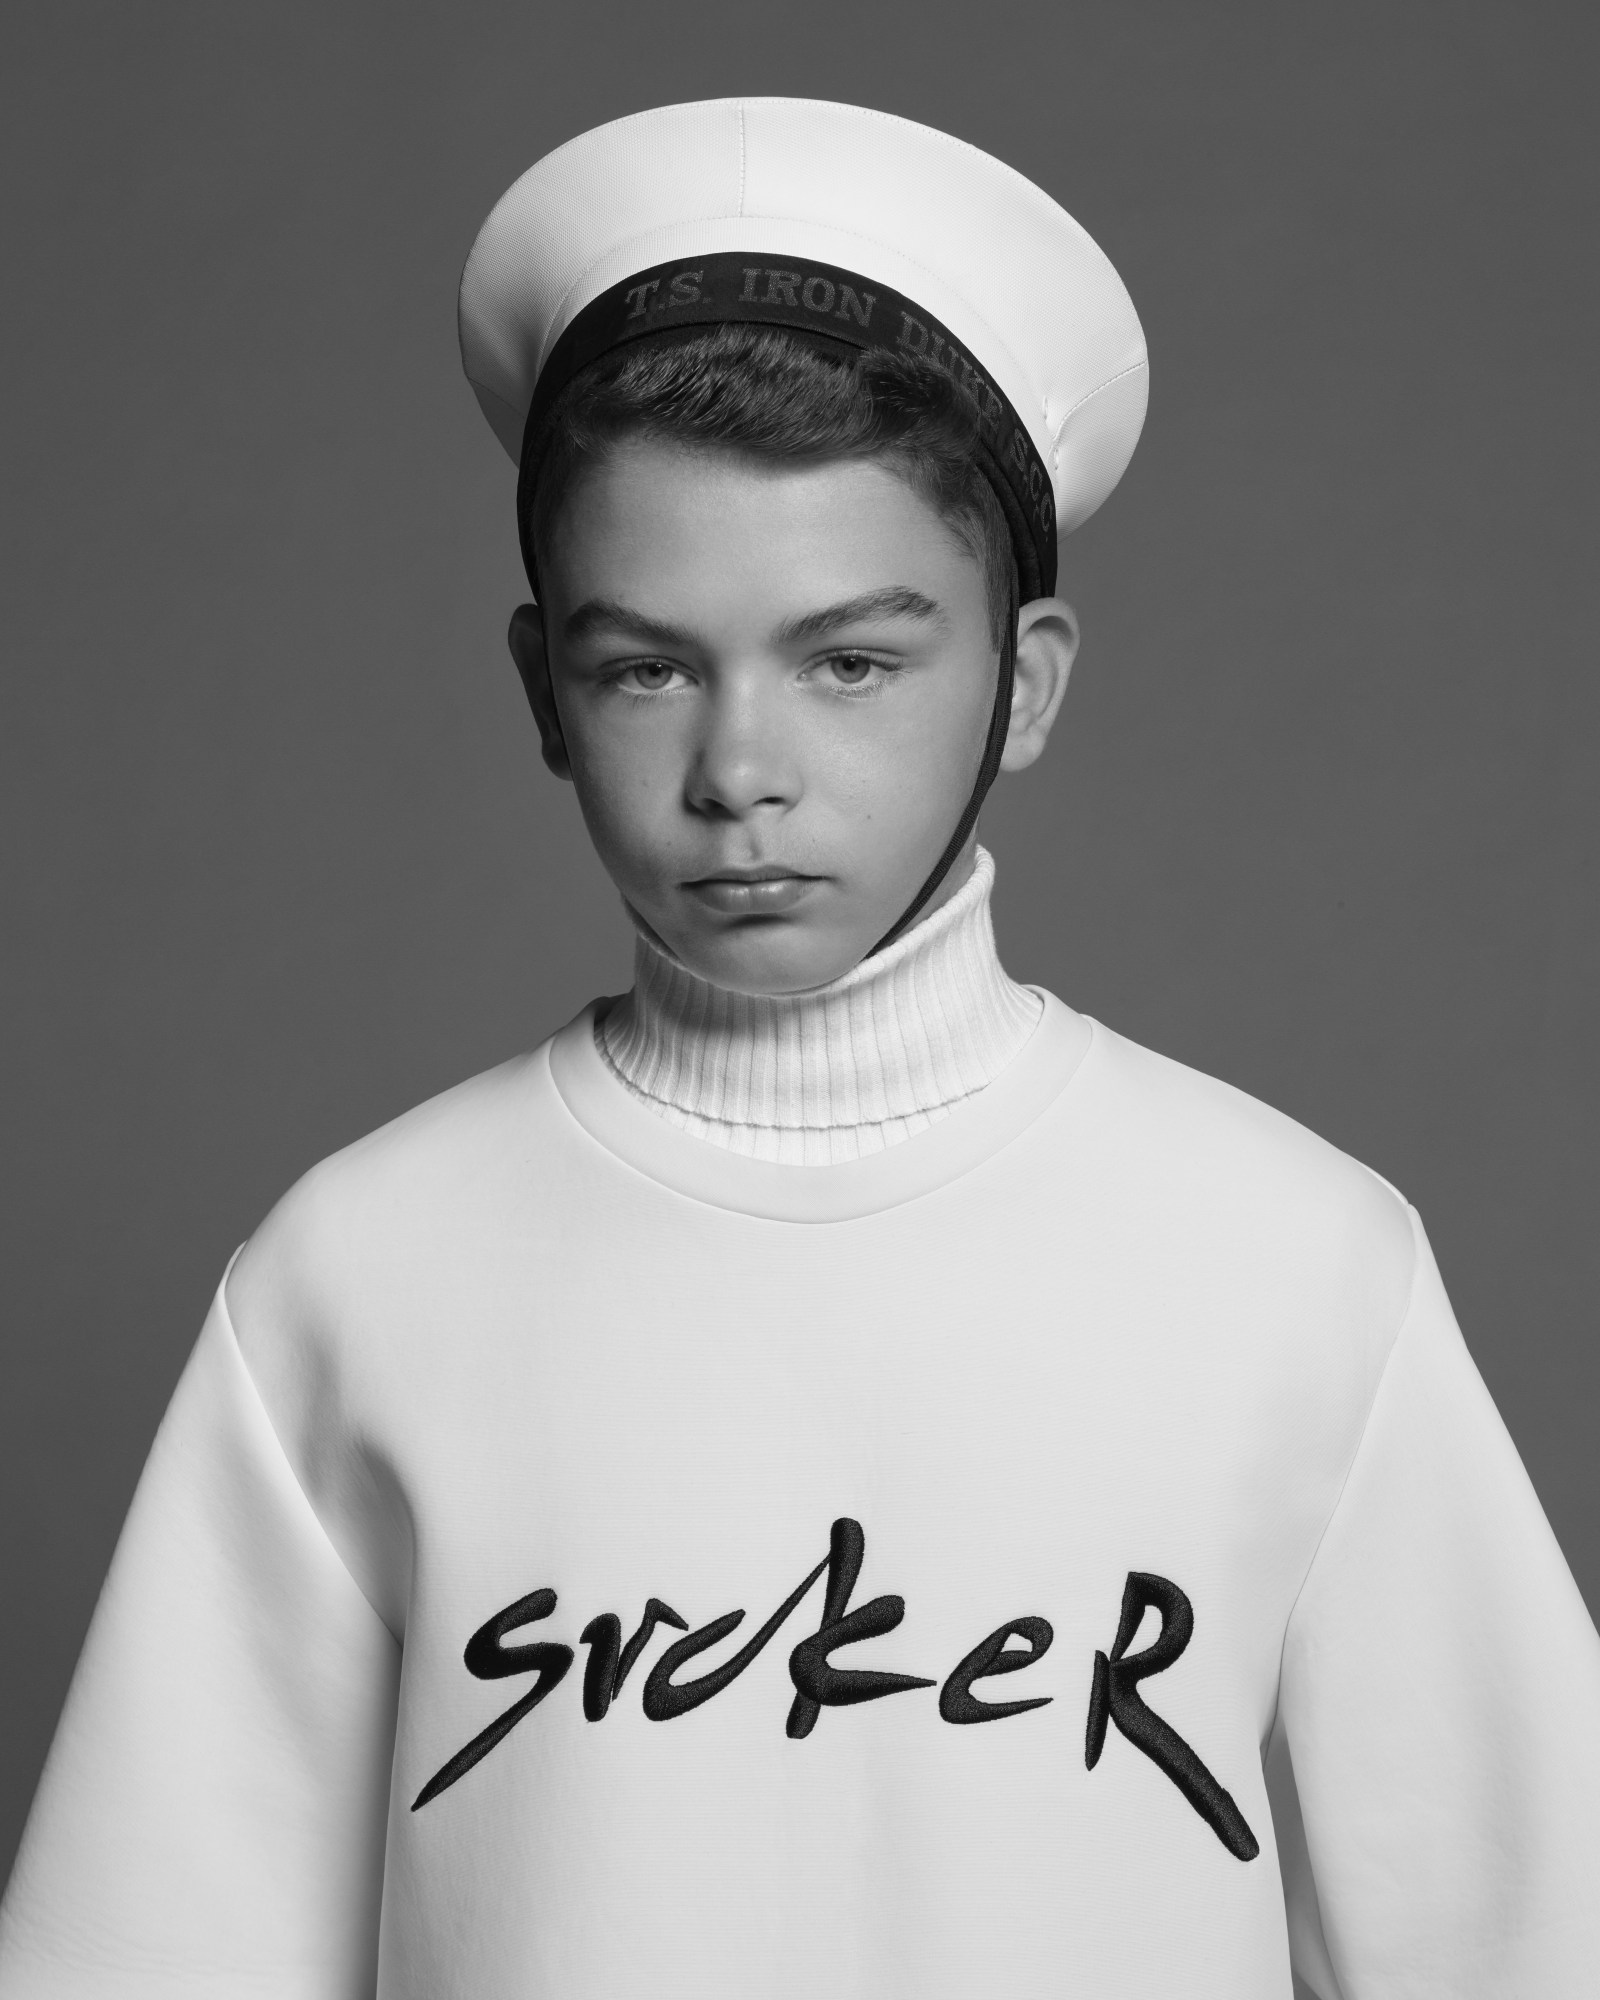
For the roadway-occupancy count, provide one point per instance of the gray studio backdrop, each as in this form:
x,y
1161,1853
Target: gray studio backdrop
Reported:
x,y
279,857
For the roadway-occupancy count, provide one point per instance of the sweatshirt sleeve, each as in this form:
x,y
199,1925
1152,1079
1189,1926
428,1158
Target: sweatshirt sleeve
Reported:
x,y
211,1817
1440,1705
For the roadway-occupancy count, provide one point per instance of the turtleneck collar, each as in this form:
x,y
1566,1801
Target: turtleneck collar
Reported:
x,y
847,1069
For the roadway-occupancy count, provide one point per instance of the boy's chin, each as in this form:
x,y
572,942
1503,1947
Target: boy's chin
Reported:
x,y
771,957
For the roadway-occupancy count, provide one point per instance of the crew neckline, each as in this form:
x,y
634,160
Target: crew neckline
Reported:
x,y
1060,1046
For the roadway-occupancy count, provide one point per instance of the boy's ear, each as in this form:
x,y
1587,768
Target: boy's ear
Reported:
x,y
526,640
1047,645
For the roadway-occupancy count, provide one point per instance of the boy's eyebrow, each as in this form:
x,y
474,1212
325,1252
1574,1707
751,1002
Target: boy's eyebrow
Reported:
x,y
607,614
895,600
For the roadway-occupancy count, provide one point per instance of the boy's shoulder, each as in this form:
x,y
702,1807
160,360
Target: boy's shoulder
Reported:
x,y
1202,1115
1164,1124
1172,1151
1232,1164
466,1150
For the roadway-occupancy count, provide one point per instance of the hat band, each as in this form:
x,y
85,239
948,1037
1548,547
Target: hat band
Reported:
x,y
830,308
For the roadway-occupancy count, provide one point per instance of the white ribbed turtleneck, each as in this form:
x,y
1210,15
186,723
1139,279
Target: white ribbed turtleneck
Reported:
x,y
807,1079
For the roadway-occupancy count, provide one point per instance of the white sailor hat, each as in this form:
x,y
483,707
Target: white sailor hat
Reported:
x,y
852,228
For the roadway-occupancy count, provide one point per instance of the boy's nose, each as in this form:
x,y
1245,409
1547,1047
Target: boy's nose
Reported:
x,y
744,760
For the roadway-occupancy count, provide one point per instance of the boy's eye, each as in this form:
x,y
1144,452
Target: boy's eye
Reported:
x,y
648,676
852,673
850,669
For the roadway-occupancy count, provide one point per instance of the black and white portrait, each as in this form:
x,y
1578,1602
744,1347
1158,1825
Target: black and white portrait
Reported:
x,y
800,822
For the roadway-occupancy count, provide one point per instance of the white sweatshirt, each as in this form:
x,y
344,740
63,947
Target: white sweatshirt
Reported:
x,y
600,1565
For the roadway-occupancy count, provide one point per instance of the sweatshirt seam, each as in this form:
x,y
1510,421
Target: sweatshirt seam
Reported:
x,y
667,1105
1404,1321
265,1408
700,1199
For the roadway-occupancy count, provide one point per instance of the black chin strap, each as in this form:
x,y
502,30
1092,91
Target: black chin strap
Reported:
x,y
988,771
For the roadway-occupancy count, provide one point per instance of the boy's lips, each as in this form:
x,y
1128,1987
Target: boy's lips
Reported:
x,y
752,892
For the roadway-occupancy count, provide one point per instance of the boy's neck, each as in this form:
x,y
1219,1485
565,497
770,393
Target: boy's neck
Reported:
x,y
842,1071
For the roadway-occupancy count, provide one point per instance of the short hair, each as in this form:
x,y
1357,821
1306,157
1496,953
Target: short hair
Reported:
x,y
764,393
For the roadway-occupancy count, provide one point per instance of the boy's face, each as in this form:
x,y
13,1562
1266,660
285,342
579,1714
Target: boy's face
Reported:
x,y
771,688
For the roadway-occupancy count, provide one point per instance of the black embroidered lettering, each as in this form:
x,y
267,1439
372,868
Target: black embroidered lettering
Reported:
x,y
913,334
816,294
781,282
686,288
1115,1697
663,1699
488,1659
957,1703
820,1684
639,297
980,389
610,1662
852,306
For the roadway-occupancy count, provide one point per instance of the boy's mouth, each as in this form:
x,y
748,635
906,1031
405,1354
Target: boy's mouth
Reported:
x,y
752,892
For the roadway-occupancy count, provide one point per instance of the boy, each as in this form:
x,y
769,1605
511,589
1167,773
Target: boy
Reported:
x,y
956,1503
